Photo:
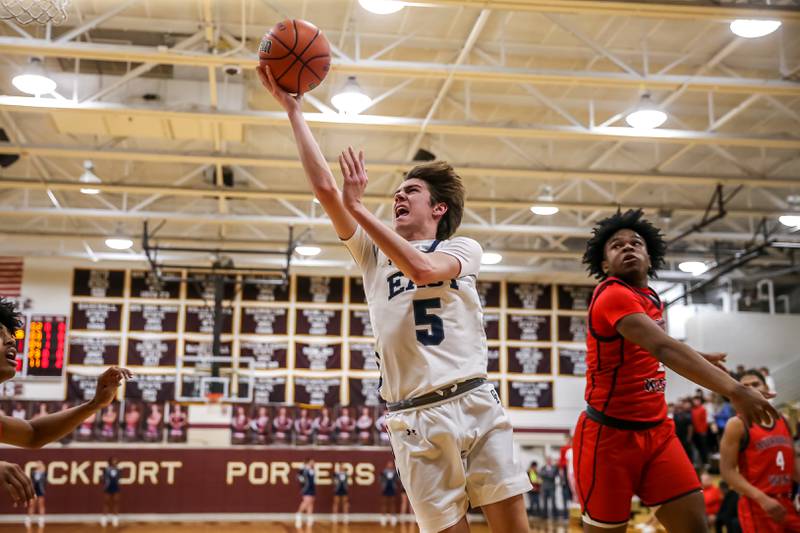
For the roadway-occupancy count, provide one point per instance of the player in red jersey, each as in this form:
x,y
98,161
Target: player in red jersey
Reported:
x,y
758,462
624,442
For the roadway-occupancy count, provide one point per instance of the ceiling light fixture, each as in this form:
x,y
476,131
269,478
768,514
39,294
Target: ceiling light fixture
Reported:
x,y
695,268
382,7
119,242
544,205
308,251
793,221
754,28
89,178
491,258
34,81
351,99
647,115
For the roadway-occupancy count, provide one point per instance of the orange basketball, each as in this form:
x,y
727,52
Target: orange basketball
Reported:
x,y
297,53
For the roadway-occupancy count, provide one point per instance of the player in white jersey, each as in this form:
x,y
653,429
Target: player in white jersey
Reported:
x,y
451,437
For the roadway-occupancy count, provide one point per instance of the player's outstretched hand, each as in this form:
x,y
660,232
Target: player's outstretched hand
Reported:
x,y
287,101
773,508
753,407
355,177
18,485
107,385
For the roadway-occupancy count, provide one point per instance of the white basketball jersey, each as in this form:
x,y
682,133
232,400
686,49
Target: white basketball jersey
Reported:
x,y
426,337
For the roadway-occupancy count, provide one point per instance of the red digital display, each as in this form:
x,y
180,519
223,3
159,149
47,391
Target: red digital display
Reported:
x,y
46,342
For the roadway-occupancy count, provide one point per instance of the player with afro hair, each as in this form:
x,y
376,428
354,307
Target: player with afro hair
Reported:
x,y
625,444
631,220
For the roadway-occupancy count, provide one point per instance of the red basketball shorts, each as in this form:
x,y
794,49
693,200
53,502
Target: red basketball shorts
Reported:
x,y
753,519
611,465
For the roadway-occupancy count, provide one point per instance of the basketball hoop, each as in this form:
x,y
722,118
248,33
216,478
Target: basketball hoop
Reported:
x,y
34,11
214,397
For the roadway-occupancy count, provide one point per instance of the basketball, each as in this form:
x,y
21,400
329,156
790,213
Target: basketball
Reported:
x,y
297,53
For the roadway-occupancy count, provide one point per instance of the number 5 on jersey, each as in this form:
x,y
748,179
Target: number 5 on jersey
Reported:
x,y
429,326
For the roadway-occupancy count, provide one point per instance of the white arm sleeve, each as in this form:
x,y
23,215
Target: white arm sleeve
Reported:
x,y
467,251
362,249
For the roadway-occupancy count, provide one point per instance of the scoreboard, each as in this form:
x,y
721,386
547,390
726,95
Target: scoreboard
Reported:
x,y
46,343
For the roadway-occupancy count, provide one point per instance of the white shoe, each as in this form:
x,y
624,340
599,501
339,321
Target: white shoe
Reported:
x,y
41,521
346,519
115,521
383,520
310,521
103,521
298,521
335,519
393,520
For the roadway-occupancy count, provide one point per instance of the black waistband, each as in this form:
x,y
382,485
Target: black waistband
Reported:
x,y
437,395
619,423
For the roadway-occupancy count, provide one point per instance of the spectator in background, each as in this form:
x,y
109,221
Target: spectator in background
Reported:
x,y
739,371
563,463
132,417
308,492
260,425
324,427
728,515
722,413
86,429
341,499
345,427
712,437
548,475
304,428
177,424
109,417
683,426
700,428
239,426
389,492
283,426
153,431
713,498
536,489
769,379
364,426
18,411
39,479
111,489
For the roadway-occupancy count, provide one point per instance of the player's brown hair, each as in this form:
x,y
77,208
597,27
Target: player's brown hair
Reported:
x,y
445,186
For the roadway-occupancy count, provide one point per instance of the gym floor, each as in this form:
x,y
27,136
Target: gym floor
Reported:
x,y
260,527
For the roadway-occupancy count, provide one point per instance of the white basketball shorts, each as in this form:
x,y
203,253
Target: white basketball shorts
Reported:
x,y
455,452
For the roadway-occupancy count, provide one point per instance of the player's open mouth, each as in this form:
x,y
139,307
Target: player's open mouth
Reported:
x,y
630,259
11,356
400,211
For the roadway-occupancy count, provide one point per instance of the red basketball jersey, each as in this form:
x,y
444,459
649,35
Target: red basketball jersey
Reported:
x,y
766,458
623,380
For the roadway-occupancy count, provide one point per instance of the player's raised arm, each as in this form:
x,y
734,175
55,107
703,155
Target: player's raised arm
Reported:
x,y
49,428
640,329
316,167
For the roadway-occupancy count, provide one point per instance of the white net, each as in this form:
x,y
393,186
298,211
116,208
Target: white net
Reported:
x,y
34,11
